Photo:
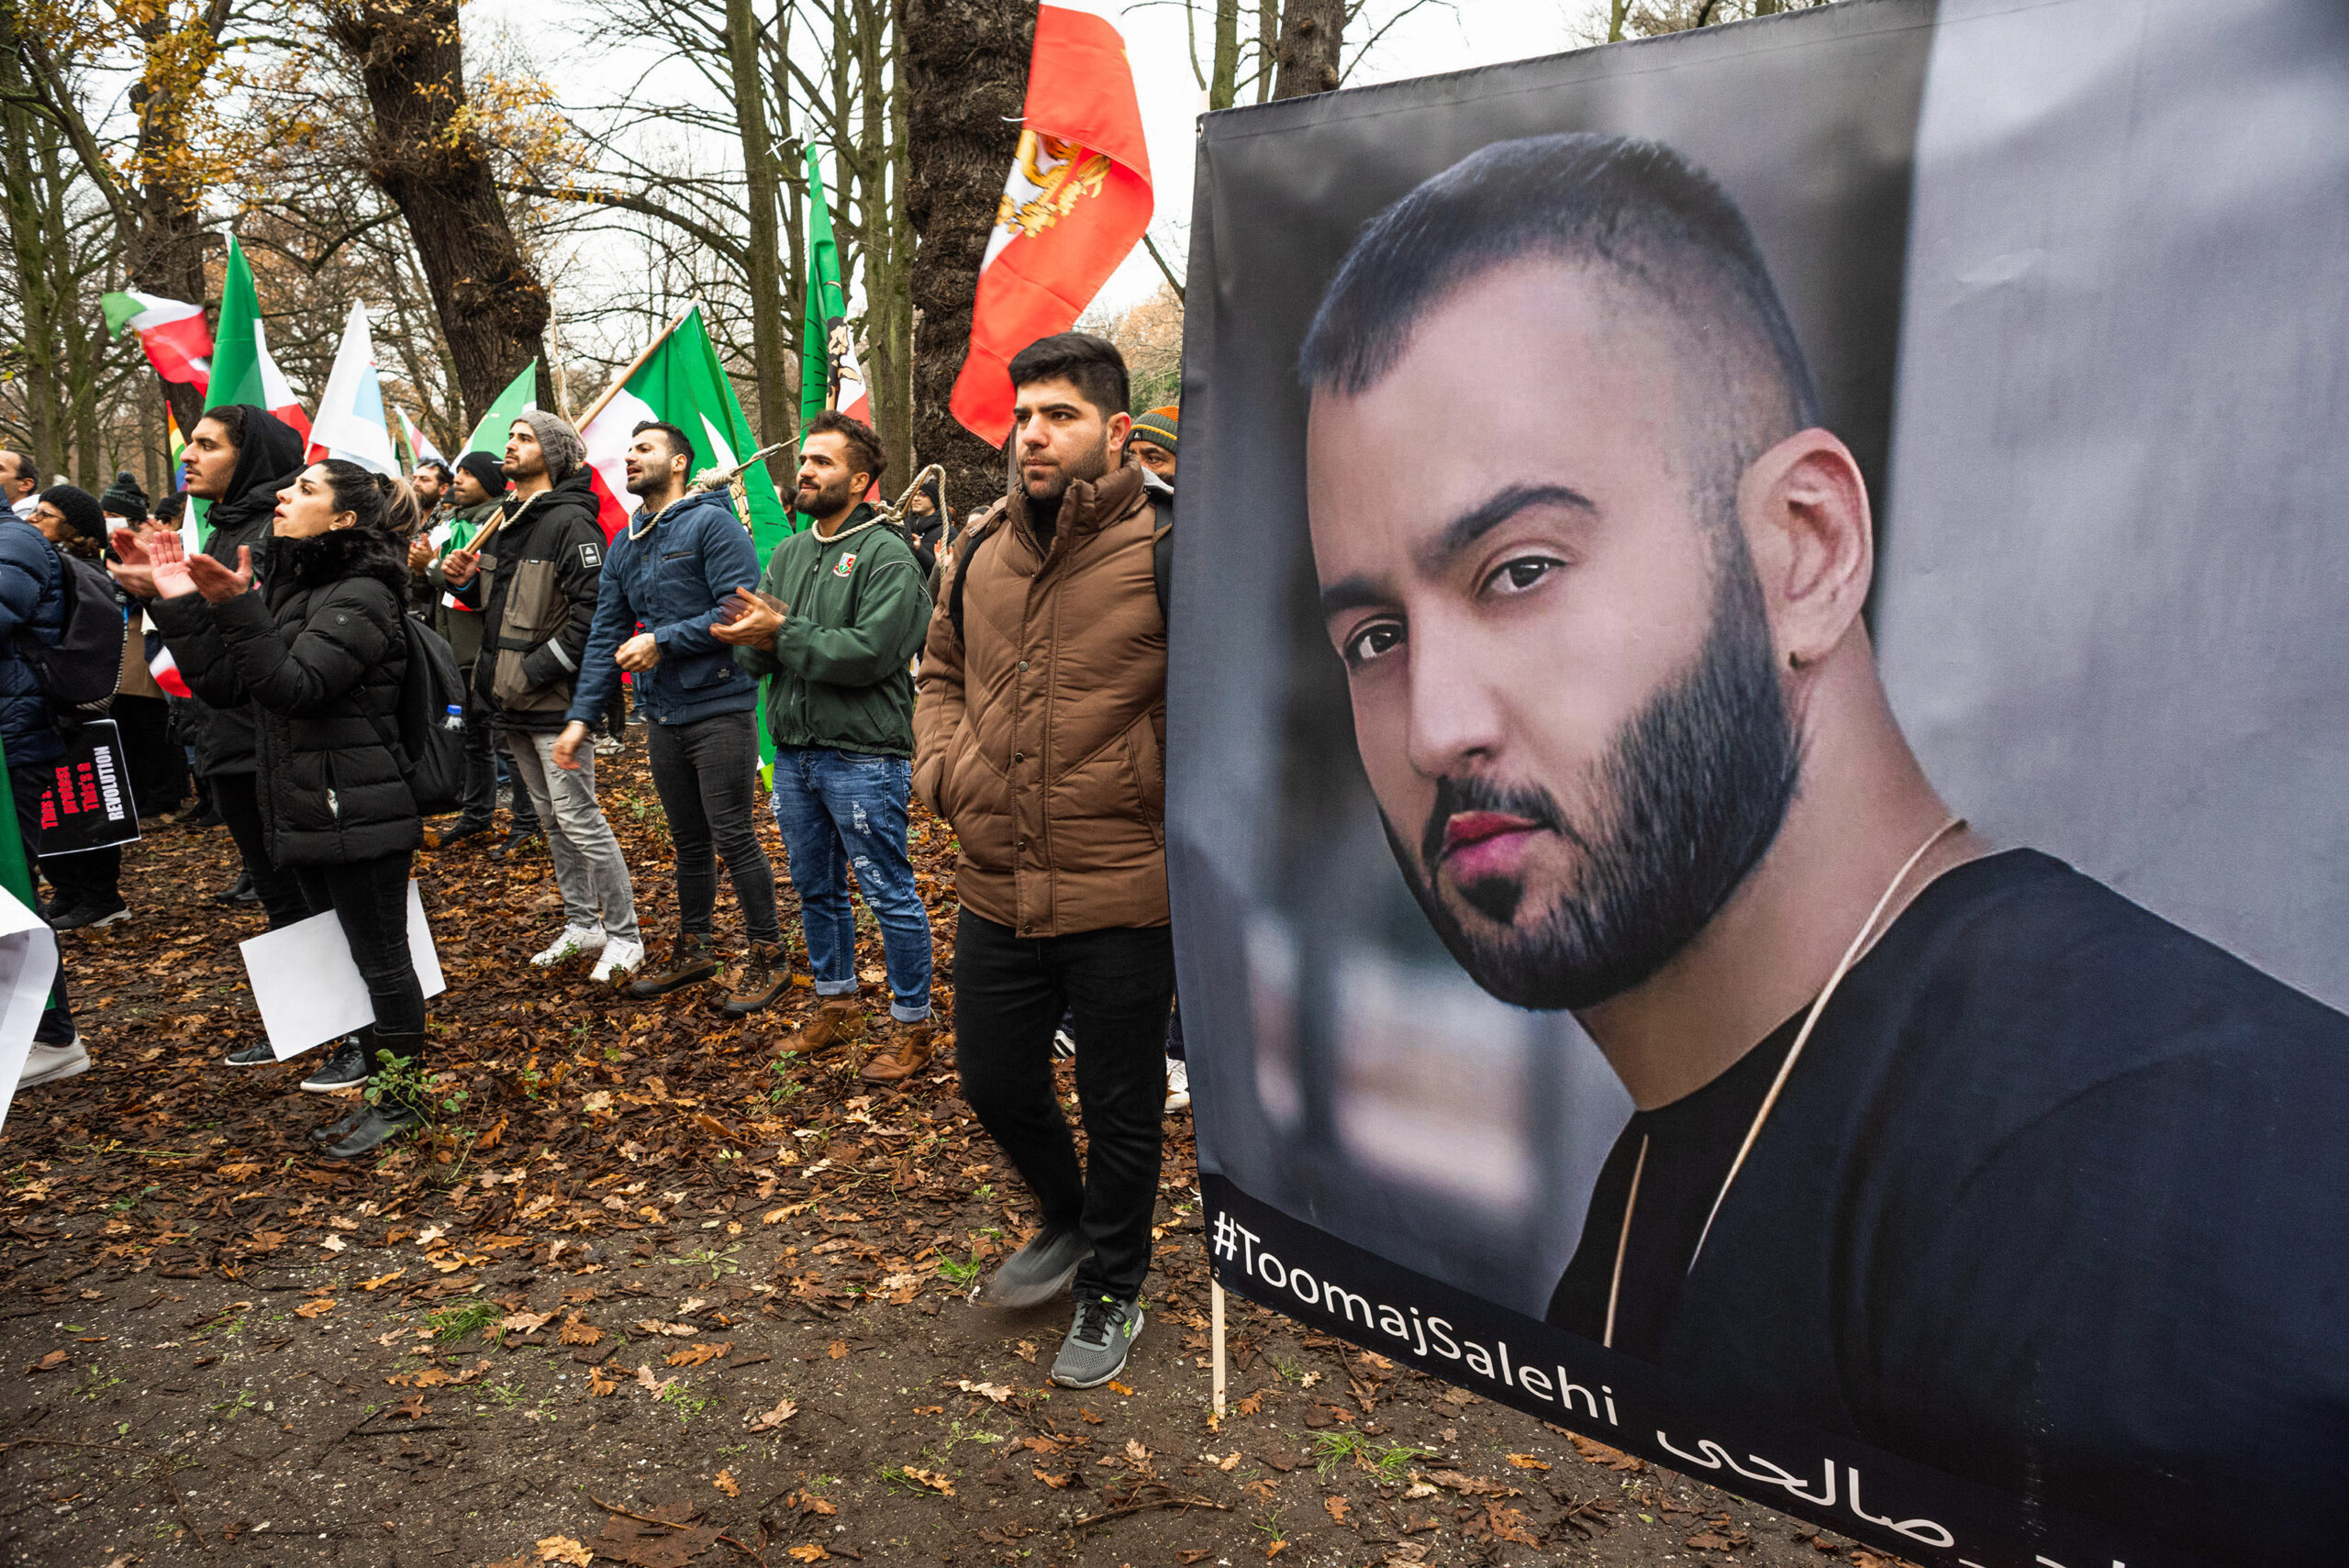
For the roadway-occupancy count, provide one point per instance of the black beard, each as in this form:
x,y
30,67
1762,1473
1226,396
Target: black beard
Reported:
x,y
1696,786
832,498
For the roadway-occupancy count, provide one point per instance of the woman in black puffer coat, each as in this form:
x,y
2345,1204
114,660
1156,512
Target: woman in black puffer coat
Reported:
x,y
319,654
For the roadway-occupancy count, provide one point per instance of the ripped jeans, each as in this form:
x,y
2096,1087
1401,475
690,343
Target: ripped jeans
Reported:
x,y
844,810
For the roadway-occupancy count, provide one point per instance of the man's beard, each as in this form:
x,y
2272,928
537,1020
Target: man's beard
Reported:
x,y
833,497
1091,466
1692,790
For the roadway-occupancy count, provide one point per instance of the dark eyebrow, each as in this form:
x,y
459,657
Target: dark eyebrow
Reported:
x,y
1477,521
1353,594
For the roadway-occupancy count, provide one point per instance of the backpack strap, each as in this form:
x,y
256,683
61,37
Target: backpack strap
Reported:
x,y
1162,546
973,536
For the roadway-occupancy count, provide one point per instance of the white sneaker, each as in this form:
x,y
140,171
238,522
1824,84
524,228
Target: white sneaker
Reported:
x,y
1064,1044
621,956
576,941
47,1063
1178,1085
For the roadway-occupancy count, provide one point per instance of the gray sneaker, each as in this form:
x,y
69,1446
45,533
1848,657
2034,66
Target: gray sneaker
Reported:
x,y
1040,1271
1097,1343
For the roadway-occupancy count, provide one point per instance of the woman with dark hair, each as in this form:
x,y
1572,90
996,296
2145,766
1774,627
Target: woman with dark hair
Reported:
x,y
238,456
317,656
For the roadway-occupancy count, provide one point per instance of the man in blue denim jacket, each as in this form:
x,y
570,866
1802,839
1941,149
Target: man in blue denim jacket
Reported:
x,y
669,573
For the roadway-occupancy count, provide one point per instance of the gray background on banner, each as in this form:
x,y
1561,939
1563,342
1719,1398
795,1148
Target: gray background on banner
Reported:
x,y
1348,1072
2111,598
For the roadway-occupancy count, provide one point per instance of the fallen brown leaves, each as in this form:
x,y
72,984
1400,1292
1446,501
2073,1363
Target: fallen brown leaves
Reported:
x,y
784,1410
693,1355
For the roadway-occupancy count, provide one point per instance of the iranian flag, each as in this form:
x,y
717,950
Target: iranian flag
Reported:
x,y
242,370
830,376
420,450
178,343
520,396
679,381
1076,203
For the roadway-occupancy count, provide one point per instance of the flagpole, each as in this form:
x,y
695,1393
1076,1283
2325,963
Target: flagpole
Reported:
x,y
634,365
588,417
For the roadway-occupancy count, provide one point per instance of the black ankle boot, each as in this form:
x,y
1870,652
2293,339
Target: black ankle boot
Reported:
x,y
376,1124
342,1127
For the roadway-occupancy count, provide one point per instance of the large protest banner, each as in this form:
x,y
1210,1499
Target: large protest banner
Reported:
x,y
1637,502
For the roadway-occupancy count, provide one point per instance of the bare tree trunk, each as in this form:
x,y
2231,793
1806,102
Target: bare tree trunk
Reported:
x,y
167,255
1312,37
759,159
492,309
965,68
1223,77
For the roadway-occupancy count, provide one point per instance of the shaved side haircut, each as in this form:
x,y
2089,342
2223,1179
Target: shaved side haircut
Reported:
x,y
1633,211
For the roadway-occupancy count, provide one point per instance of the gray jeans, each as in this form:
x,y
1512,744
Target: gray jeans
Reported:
x,y
588,865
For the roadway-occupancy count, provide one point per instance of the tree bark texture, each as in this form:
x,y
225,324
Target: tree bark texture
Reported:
x,y
1312,40
762,165
965,68
492,309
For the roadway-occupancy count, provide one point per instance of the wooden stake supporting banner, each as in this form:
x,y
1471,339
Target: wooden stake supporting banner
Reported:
x,y
1215,1341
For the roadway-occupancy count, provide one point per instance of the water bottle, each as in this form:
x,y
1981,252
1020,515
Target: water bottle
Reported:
x,y
456,719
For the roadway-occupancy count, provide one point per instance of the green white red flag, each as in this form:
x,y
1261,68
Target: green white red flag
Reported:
x,y
242,370
1076,203
679,381
172,331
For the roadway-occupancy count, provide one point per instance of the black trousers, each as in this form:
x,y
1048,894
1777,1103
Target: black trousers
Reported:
x,y
706,773
26,784
370,897
1009,992
234,796
477,803
524,818
89,880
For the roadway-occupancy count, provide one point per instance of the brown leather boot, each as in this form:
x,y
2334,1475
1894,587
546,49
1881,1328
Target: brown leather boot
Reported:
x,y
762,979
903,1054
692,960
837,1018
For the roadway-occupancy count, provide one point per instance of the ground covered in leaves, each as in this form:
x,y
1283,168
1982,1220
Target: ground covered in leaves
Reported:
x,y
651,1296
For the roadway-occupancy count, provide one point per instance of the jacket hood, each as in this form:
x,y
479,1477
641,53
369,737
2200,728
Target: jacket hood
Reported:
x,y
687,505
337,554
576,489
270,456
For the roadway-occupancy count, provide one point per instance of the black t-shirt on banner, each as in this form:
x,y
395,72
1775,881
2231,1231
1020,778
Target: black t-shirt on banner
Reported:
x,y
2055,1198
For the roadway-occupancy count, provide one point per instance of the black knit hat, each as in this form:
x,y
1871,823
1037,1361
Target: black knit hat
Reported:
x,y
485,472
125,498
79,509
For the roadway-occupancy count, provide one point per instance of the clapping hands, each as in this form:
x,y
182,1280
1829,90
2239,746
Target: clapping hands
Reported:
x,y
177,574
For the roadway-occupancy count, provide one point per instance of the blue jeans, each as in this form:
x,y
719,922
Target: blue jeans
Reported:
x,y
838,809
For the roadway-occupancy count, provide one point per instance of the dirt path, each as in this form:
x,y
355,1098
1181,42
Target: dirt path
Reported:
x,y
642,1272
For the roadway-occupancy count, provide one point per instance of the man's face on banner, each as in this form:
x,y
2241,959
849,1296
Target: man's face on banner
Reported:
x,y
1563,687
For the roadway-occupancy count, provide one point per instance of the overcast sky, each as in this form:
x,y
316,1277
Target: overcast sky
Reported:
x,y
1441,35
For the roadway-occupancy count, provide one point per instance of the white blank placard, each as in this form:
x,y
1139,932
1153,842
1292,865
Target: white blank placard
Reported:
x,y
28,968
309,991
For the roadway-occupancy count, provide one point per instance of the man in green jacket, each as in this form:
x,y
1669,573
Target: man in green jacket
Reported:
x,y
833,628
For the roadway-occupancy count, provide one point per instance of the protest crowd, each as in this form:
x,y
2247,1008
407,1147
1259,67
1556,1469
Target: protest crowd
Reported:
x,y
355,667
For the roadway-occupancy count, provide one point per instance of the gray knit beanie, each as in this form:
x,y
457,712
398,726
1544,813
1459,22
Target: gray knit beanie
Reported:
x,y
564,451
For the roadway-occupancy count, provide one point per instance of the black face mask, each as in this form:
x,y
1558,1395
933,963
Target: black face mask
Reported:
x,y
1696,786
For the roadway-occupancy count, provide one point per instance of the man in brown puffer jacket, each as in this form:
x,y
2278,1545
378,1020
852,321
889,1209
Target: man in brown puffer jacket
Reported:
x,y
1037,734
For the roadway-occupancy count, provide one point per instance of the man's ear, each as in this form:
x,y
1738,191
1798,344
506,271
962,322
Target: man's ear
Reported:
x,y
1805,510
1121,426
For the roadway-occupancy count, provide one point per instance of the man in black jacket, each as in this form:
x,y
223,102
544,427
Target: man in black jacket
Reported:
x,y
534,577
